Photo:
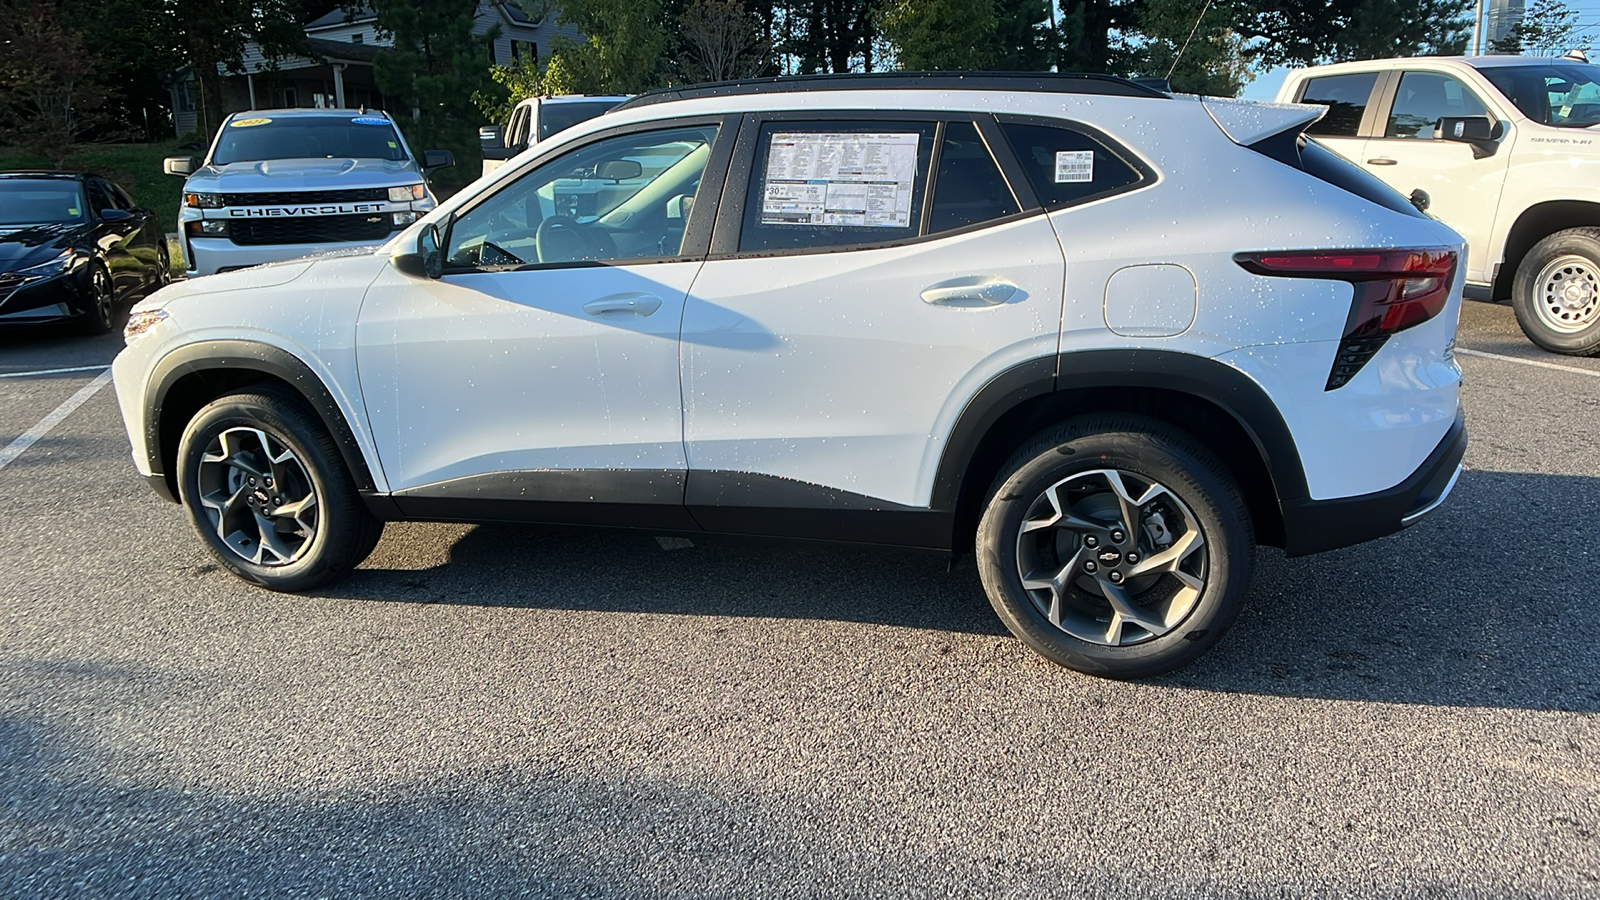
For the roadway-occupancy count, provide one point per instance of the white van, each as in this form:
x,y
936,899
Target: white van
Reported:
x,y
1506,151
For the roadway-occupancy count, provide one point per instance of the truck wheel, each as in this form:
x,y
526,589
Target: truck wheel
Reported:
x,y
1115,546
266,488
1556,293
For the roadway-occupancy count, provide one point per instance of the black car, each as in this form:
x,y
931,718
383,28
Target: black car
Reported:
x,y
74,246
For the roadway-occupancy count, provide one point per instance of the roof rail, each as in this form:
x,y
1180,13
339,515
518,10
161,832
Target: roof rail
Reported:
x,y
1024,82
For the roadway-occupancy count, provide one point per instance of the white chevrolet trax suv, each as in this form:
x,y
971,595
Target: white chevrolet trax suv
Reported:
x,y
1108,338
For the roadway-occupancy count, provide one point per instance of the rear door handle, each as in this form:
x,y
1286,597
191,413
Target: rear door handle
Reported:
x,y
1382,161
623,304
969,292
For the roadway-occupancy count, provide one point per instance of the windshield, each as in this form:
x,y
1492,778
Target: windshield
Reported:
x,y
307,137
1563,94
554,117
36,201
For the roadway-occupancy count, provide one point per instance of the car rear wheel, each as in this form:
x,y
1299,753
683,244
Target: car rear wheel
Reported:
x,y
102,312
264,485
1115,546
1556,293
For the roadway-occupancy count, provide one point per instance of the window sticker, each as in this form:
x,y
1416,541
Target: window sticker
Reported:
x,y
392,145
834,178
246,123
369,120
1074,166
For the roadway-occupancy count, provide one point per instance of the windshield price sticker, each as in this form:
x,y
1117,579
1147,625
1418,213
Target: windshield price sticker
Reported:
x,y
840,179
369,120
246,123
1074,166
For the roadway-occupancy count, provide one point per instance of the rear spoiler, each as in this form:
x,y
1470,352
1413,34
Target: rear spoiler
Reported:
x,y
1246,122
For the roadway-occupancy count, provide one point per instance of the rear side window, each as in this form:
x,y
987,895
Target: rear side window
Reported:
x,y
969,188
1066,166
1346,97
836,184
1320,162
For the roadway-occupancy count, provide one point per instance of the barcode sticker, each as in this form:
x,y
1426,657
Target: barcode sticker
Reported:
x,y
1074,165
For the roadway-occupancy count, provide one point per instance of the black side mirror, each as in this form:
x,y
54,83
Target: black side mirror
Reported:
x,y
1480,131
437,159
115,215
427,260
178,165
619,169
492,136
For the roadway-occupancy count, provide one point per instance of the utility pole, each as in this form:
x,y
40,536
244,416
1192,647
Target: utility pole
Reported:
x,y
1477,25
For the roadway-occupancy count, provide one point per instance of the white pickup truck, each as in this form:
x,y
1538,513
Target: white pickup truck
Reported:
x,y
1506,151
534,120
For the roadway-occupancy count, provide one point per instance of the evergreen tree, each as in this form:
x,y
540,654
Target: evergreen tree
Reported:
x,y
941,34
1311,32
1547,28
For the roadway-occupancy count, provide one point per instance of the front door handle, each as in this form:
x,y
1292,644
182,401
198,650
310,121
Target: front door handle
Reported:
x,y
623,304
969,292
1382,161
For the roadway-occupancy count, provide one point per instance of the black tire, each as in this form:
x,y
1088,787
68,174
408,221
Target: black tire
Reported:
x,y
1175,620
1556,293
102,314
307,544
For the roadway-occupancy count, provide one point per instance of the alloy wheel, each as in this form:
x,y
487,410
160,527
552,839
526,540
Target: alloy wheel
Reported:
x,y
258,496
1112,557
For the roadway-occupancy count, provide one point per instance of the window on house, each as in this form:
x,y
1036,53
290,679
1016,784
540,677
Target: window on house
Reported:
x,y
358,38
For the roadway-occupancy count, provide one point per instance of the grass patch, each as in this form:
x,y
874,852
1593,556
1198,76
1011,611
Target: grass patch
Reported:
x,y
137,167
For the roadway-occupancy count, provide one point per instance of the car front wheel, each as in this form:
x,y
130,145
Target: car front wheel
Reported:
x,y
1556,293
264,485
1115,546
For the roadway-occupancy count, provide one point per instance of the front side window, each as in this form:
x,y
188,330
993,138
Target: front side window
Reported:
x,y
1066,166
1559,93
100,198
554,117
618,199
1345,96
251,138
1423,98
836,184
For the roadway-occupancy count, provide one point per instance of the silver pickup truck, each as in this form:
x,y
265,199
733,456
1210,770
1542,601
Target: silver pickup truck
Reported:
x,y
283,183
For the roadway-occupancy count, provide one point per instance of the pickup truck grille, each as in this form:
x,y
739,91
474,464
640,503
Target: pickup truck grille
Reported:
x,y
311,229
295,198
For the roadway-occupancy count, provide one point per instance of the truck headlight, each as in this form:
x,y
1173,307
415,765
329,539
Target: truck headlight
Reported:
x,y
203,201
404,218
407,193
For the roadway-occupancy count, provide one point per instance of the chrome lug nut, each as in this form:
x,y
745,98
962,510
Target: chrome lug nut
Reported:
x,y
1116,577
1091,542
1091,567
1133,558
1118,536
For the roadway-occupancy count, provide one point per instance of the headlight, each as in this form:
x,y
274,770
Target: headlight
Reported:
x,y
203,201
407,194
205,227
46,269
404,218
140,322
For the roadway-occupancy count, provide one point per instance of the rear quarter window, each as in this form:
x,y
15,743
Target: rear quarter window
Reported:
x,y
1345,96
1066,165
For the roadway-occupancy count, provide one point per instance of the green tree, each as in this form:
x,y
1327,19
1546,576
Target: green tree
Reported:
x,y
1547,28
721,40
1310,32
1023,38
434,67
941,34
48,98
624,46
1196,53
820,36
134,53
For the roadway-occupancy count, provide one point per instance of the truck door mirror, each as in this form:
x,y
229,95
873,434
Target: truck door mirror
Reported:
x,y
178,165
437,159
1479,131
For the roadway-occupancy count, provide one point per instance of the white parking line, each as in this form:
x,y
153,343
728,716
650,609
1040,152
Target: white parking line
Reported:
x,y
1528,362
32,435
52,372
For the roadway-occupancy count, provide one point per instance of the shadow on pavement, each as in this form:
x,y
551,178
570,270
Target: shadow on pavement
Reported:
x,y
1488,602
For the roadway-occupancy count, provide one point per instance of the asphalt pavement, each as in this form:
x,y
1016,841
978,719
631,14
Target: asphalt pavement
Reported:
x,y
565,713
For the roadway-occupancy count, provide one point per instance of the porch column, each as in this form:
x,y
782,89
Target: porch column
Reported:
x,y
250,82
338,85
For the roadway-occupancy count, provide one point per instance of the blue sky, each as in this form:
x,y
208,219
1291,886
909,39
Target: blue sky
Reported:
x,y
1265,87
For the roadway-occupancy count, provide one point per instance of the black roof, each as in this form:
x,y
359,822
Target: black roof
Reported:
x,y
1021,82
46,173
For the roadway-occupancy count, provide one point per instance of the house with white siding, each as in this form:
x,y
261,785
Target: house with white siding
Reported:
x,y
337,73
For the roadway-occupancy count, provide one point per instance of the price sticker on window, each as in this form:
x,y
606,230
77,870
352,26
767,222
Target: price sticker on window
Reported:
x,y
1074,166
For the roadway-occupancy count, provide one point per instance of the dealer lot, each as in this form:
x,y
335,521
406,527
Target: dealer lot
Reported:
x,y
566,713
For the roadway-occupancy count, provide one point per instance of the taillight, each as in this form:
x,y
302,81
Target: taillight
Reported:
x,y
1394,290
